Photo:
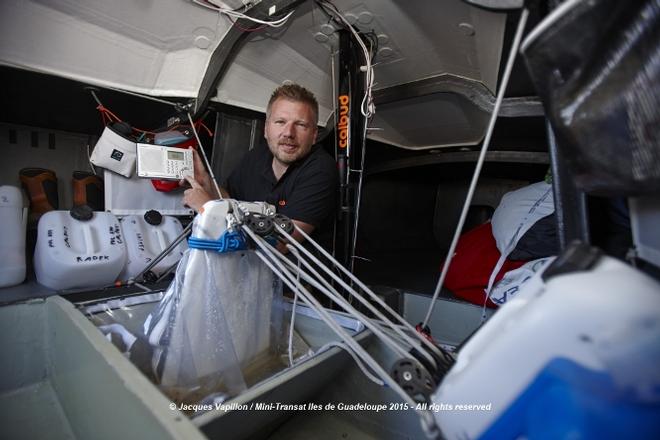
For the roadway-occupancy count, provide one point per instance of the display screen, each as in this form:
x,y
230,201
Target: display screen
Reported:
x,y
174,155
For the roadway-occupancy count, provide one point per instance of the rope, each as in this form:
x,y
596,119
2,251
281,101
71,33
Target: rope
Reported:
x,y
229,241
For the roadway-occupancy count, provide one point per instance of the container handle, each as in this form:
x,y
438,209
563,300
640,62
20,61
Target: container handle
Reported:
x,y
90,243
25,219
162,240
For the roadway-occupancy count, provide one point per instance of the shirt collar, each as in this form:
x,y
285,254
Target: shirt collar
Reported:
x,y
267,166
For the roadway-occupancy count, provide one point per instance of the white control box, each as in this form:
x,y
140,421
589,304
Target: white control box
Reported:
x,y
161,162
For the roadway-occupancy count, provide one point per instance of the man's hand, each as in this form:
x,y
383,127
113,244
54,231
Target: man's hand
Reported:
x,y
196,195
202,177
201,187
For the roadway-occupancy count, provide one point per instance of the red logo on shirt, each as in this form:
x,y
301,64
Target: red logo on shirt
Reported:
x,y
282,203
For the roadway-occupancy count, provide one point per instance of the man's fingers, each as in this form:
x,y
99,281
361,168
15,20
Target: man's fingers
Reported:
x,y
197,162
193,183
197,157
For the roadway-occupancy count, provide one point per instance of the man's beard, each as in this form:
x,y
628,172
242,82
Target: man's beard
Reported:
x,y
287,158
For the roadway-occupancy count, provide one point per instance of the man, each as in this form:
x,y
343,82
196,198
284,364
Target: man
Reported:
x,y
299,179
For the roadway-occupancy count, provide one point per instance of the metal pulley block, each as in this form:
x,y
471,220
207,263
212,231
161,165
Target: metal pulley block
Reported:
x,y
414,379
283,222
260,224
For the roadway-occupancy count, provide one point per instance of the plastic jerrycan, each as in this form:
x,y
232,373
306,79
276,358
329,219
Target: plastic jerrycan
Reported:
x,y
146,237
79,249
13,221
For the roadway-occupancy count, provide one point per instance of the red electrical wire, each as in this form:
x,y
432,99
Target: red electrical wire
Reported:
x,y
109,117
105,113
201,124
235,23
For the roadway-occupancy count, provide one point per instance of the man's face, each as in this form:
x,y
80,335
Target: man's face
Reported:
x,y
290,130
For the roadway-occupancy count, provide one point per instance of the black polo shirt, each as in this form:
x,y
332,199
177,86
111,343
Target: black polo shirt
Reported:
x,y
306,192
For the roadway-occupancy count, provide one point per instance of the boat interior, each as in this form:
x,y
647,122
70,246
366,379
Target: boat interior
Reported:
x,y
448,115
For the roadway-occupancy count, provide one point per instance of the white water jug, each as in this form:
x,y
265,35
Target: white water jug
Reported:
x,y
13,218
78,249
146,237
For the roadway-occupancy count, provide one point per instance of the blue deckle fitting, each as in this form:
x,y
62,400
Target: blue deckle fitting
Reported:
x,y
229,241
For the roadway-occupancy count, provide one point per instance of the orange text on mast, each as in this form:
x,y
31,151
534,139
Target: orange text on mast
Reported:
x,y
342,124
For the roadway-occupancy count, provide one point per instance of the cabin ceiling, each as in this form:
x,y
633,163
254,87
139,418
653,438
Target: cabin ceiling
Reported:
x,y
163,48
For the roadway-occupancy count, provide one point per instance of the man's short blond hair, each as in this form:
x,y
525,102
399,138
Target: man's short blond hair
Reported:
x,y
297,93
